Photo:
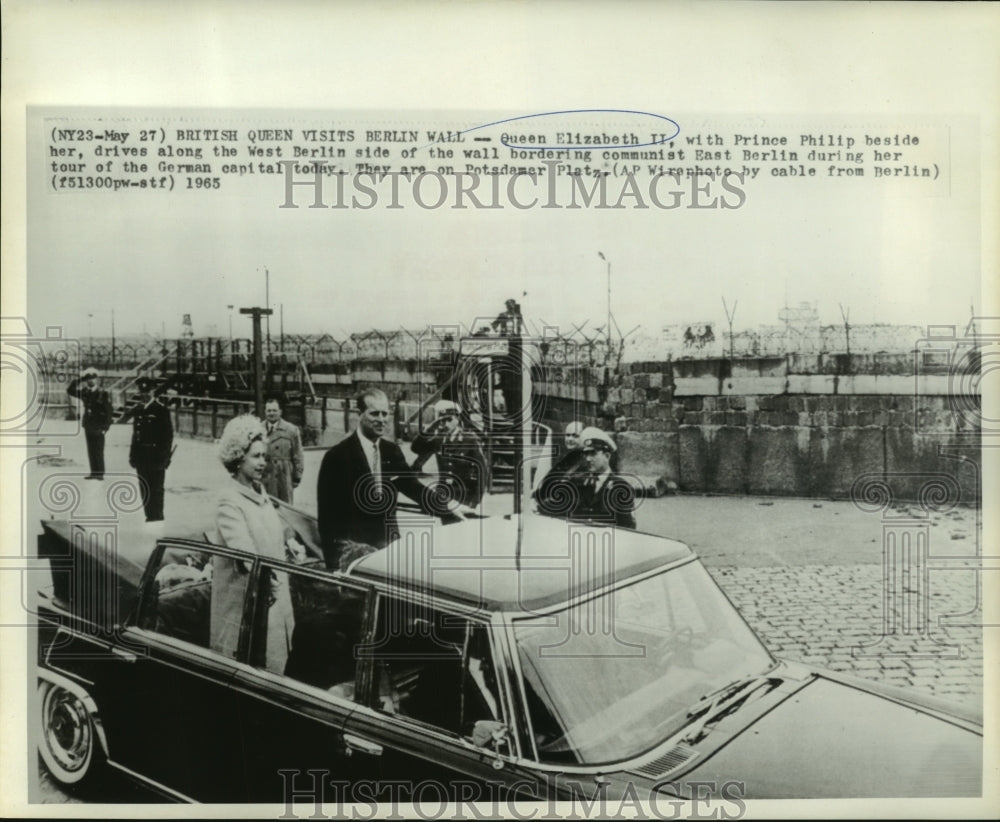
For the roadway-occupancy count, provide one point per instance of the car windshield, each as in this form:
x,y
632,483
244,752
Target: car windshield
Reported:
x,y
611,677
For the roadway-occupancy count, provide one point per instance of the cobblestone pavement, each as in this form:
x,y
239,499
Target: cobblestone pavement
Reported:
x,y
832,616
806,574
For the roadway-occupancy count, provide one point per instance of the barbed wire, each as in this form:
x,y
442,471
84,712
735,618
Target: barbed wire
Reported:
x,y
581,346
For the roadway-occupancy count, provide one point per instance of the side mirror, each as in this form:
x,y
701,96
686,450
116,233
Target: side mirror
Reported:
x,y
488,733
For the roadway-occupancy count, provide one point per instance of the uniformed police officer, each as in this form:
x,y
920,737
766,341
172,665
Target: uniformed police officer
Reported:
x,y
603,496
98,414
152,441
460,459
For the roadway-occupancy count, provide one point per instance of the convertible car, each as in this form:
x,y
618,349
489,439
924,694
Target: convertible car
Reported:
x,y
532,658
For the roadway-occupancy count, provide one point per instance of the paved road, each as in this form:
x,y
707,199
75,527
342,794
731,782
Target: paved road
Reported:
x,y
806,574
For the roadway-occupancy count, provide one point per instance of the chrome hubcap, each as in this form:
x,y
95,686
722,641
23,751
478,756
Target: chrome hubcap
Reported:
x,y
68,732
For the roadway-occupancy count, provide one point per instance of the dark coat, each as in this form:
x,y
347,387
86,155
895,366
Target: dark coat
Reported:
x,y
346,505
97,409
152,436
613,503
461,463
554,493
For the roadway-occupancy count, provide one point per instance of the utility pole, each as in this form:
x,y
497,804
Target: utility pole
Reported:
x,y
112,337
267,305
730,317
847,333
258,358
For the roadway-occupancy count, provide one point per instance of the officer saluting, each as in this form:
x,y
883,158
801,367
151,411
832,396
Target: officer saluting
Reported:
x,y
152,438
603,495
461,462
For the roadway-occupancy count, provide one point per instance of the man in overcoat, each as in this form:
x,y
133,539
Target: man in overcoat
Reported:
x,y
284,453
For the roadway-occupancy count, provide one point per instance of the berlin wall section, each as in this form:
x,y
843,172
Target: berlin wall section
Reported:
x,y
689,424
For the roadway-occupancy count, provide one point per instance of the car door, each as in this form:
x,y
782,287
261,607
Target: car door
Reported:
x,y
430,691
166,703
297,687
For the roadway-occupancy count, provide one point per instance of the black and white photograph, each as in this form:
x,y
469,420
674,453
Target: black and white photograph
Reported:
x,y
500,410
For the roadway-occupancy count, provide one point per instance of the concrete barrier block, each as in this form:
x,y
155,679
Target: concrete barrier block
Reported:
x,y
696,386
692,458
774,463
811,383
648,453
841,456
727,460
753,385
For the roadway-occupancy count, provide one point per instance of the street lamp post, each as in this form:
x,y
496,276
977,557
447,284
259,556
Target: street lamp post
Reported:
x,y
90,335
601,255
258,358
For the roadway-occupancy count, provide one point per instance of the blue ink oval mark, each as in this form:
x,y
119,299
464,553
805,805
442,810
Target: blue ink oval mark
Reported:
x,y
665,137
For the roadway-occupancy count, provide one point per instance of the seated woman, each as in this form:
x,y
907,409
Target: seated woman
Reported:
x,y
247,519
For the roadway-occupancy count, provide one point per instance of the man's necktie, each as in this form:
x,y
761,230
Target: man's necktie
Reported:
x,y
377,468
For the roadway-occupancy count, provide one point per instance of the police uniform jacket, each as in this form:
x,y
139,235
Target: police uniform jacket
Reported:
x,y
284,460
97,410
611,500
152,436
461,463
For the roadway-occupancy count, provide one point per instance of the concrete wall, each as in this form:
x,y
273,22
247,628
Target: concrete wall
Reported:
x,y
759,431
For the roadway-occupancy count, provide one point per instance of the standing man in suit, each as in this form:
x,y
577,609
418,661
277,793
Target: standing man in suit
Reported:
x,y
97,416
359,482
460,458
604,497
284,453
149,455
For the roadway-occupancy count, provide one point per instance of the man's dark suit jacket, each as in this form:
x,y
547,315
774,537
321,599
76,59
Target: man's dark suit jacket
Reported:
x,y
613,503
348,508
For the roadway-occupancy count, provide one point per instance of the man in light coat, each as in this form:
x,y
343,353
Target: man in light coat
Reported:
x,y
284,453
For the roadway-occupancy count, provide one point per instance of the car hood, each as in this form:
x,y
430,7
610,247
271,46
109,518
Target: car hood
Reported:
x,y
837,739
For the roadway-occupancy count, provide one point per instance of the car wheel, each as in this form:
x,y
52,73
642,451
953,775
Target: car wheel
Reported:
x,y
67,742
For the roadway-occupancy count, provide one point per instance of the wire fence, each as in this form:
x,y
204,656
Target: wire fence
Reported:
x,y
582,346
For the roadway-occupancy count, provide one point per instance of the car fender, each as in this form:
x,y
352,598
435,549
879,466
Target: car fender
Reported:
x,y
80,693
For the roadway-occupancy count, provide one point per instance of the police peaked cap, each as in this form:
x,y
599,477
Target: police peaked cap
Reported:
x,y
444,408
597,440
